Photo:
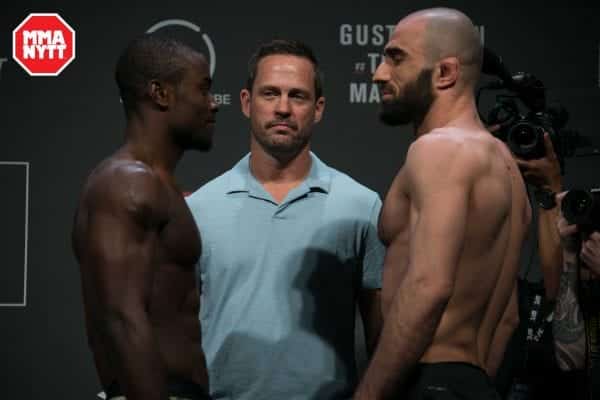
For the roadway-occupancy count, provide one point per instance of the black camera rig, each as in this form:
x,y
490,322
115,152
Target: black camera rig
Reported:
x,y
523,131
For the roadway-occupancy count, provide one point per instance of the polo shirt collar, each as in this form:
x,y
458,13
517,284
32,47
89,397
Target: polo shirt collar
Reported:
x,y
318,179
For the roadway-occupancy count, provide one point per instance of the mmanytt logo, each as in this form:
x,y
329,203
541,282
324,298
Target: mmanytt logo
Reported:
x,y
370,39
43,44
222,99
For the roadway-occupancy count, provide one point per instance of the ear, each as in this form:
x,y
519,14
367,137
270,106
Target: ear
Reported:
x,y
446,73
245,101
319,108
160,94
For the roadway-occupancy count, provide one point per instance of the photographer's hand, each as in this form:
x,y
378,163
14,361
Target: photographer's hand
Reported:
x,y
569,234
543,172
590,253
493,128
567,326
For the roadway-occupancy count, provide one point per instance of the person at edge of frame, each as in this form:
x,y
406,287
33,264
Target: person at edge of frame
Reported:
x,y
454,219
134,236
576,324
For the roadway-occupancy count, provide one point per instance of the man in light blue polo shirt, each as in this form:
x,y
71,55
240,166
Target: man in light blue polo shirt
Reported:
x,y
289,248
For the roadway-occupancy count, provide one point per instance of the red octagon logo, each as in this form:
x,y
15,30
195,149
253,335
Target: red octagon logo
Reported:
x,y
43,44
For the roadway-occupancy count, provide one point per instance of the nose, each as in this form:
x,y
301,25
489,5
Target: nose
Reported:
x,y
283,106
382,74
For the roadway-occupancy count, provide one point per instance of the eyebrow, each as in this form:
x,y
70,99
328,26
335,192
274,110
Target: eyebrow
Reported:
x,y
268,87
394,52
301,91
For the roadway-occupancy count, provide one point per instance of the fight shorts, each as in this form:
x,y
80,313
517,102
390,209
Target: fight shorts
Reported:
x,y
448,381
177,390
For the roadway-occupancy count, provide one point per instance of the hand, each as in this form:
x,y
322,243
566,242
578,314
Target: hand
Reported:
x,y
590,253
569,234
493,128
542,172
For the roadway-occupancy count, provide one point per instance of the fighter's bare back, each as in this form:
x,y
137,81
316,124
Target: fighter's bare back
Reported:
x,y
495,218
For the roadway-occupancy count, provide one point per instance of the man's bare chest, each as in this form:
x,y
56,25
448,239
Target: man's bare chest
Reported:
x,y
395,216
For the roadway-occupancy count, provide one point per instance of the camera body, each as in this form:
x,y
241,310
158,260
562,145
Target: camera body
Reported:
x,y
582,207
523,132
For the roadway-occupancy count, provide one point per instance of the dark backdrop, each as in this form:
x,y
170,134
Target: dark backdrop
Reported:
x,y
55,129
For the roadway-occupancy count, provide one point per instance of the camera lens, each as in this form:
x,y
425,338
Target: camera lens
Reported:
x,y
524,140
576,206
523,136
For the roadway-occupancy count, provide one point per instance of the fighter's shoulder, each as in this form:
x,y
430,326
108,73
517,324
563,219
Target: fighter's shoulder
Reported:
x,y
448,150
129,184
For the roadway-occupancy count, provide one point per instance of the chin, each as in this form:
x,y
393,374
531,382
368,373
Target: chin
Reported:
x,y
284,148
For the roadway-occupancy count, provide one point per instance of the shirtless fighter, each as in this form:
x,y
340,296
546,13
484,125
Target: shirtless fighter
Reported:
x,y
134,237
453,220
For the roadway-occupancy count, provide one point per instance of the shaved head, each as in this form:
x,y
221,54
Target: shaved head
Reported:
x,y
449,33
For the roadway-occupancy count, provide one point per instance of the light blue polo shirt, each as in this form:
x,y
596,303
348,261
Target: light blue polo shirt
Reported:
x,y
280,282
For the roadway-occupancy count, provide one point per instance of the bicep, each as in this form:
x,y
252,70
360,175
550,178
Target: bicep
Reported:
x,y
120,256
441,174
439,229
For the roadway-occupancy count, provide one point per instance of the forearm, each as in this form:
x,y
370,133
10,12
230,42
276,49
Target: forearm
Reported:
x,y
568,325
508,324
550,251
408,330
135,357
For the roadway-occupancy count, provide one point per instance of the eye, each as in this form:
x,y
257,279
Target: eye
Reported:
x,y
268,93
394,59
299,95
204,89
394,56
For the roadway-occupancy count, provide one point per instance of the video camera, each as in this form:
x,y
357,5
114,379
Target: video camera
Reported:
x,y
523,132
582,207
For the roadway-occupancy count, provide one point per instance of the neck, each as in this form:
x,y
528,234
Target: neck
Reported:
x,y
450,111
279,168
147,140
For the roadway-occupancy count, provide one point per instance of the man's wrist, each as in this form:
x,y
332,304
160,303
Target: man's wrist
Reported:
x,y
555,185
569,257
545,198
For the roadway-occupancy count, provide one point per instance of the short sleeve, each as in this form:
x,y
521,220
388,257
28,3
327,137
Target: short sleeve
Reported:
x,y
374,250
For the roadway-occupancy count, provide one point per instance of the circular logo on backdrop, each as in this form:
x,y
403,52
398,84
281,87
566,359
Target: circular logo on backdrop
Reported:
x,y
189,33
189,25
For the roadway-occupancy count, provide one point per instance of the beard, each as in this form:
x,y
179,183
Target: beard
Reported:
x,y
282,144
412,105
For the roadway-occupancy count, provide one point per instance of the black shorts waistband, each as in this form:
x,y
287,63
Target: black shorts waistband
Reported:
x,y
175,387
450,371
444,364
